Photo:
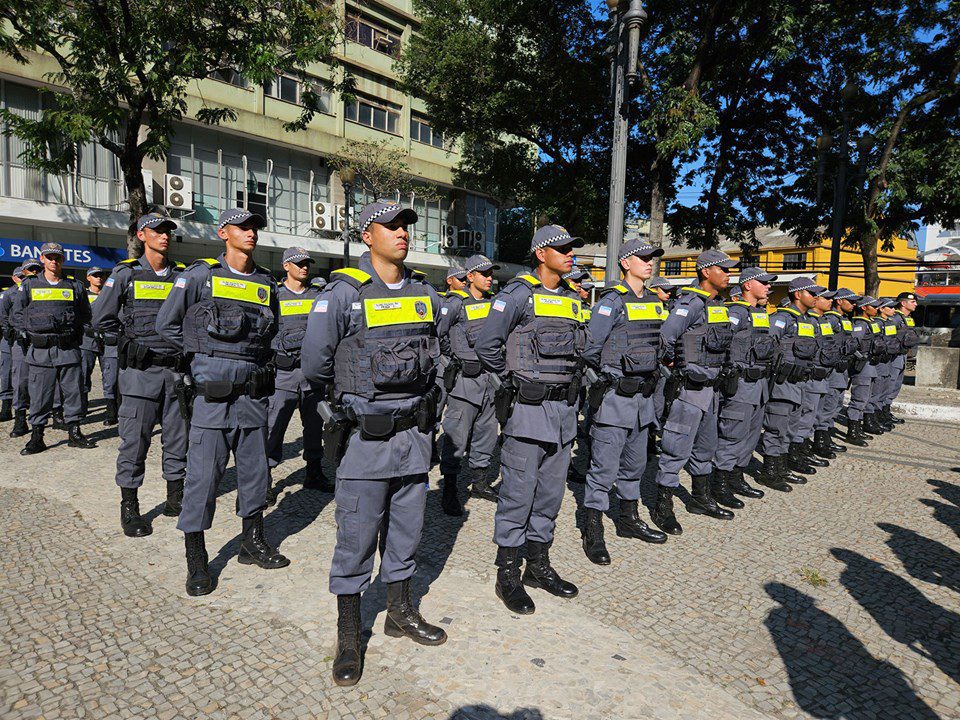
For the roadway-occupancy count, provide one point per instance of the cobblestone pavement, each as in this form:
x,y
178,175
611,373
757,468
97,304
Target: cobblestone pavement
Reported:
x,y
837,600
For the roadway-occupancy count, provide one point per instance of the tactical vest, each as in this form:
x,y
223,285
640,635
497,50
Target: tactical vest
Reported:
x,y
800,348
465,331
891,338
394,353
831,350
754,347
633,346
294,312
909,335
865,340
546,346
849,343
707,344
141,302
50,316
233,318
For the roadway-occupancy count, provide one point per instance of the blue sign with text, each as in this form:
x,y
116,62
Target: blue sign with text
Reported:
x,y
16,251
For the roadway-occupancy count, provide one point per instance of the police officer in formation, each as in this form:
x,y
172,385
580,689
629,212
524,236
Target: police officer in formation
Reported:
x,y
7,339
372,345
19,373
469,422
99,346
50,312
753,352
839,318
822,365
624,346
533,341
456,280
125,315
293,392
865,332
909,338
223,313
696,339
582,282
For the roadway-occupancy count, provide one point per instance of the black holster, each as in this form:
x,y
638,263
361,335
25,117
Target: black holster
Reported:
x,y
503,401
427,414
728,381
598,389
450,373
262,382
185,390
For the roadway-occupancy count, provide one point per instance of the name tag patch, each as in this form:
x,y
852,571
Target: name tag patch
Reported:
x,y
760,319
558,307
240,290
51,294
151,290
399,311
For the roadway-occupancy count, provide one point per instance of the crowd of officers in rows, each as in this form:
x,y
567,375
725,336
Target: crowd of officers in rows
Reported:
x,y
220,356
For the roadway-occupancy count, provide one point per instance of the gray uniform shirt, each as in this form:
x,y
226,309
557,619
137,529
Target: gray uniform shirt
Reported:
x,y
748,392
53,356
689,311
476,390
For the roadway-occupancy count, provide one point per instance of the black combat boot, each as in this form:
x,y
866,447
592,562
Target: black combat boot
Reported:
x,y
885,419
888,411
6,410
835,447
449,500
740,486
772,474
316,479
787,473
56,419
630,525
821,445
509,588
199,580
111,418
35,444
855,434
20,427
662,514
806,447
348,664
77,439
797,460
174,503
403,620
720,490
254,549
593,545
702,502
540,574
871,425
482,489
133,524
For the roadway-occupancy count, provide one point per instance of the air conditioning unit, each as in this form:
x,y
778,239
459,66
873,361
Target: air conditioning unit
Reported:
x,y
340,217
450,231
319,214
178,192
478,241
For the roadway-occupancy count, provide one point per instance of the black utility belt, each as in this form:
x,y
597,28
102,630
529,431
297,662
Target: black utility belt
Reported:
x,y
818,372
64,341
384,426
531,393
752,374
286,362
217,391
630,385
470,368
691,384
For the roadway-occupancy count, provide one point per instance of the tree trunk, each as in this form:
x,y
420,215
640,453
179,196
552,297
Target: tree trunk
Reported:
x,y
871,276
658,208
137,198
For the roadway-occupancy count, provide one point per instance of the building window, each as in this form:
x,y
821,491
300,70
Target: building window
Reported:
x,y
378,114
671,267
794,261
750,261
291,90
421,131
364,32
230,76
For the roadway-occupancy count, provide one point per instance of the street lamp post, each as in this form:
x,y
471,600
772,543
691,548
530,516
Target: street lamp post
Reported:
x,y
626,19
347,177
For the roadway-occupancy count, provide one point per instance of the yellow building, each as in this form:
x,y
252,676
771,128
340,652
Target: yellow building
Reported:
x,y
780,255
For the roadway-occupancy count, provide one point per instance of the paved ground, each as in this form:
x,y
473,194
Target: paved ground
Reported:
x,y
838,600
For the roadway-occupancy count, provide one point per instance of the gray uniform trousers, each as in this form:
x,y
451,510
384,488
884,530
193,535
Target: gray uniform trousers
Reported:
x,y
860,388
294,392
778,416
109,371
469,425
19,377
879,387
384,512
148,397
739,424
813,392
689,436
217,429
534,460
897,367
833,400
6,370
42,383
618,439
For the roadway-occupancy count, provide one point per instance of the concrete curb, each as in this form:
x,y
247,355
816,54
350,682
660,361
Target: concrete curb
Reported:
x,y
943,413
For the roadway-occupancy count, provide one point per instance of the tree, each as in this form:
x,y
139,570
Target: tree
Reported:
x,y
124,69
382,169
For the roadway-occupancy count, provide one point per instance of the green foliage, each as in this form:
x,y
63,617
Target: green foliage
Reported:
x,y
382,169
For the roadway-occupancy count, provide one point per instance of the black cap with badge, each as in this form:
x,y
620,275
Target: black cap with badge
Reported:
x,y
479,263
710,258
238,216
554,236
154,221
383,212
295,255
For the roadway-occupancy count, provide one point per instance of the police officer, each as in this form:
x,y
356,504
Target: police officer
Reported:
x,y
372,336
909,338
456,280
19,374
696,340
753,352
223,313
125,316
838,317
469,423
51,310
293,391
623,344
863,371
886,370
7,338
830,354
665,293
580,280
735,293
99,346
833,351
533,340
664,290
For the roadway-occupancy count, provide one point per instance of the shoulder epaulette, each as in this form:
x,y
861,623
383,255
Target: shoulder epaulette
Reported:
x,y
699,291
418,275
622,289
833,312
737,302
69,277
461,293
795,313
179,266
129,261
263,270
209,262
442,293
351,276
526,279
